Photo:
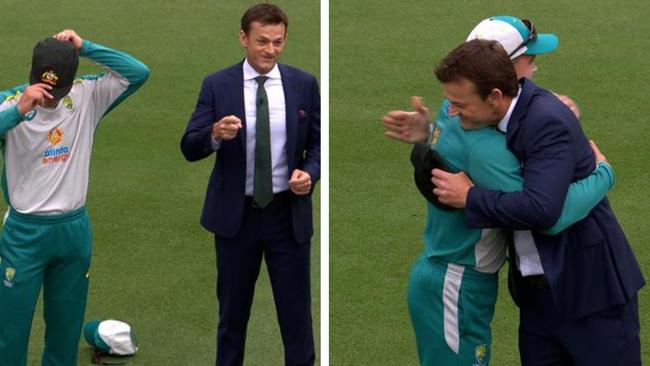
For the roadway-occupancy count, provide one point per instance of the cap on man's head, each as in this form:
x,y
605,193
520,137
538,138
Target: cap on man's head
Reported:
x,y
55,63
513,34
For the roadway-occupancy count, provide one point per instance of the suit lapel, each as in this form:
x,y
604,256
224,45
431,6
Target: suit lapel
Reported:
x,y
237,86
291,115
518,114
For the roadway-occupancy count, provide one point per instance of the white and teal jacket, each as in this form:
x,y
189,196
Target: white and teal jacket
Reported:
x,y
47,152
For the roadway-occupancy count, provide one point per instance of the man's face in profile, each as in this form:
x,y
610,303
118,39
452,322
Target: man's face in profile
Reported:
x,y
264,44
473,111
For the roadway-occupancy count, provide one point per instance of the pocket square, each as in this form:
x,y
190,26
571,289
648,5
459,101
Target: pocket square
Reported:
x,y
302,113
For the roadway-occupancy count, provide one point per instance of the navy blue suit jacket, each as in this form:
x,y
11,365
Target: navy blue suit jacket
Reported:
x,y
222,94
589,266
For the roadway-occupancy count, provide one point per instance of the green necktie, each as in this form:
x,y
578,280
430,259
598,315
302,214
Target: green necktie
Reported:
x,y
263,180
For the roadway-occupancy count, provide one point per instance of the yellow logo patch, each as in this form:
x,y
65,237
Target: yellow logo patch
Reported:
x,y
55,136
436,134
67,102
12,97
480,352
50,77
10,273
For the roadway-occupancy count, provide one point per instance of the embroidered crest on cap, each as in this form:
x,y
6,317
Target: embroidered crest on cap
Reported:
x,y
50,77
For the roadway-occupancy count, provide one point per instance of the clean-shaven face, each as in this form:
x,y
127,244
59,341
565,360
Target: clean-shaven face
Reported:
x,y
264,44
466,103
525,66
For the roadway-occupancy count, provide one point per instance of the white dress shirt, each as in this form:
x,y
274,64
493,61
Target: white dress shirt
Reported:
x,y
278,127
527,261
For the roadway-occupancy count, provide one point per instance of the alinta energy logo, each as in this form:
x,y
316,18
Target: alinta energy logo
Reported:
x,y
55,154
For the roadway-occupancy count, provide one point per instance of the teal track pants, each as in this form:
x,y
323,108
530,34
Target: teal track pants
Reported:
x,y
451,308
52,252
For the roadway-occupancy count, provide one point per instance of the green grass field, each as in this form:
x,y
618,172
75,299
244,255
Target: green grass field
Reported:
x,y
153,265
381,53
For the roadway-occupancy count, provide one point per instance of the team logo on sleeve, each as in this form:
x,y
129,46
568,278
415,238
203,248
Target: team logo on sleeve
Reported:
x,y
10,273
15,96
50,77
54,154
436,134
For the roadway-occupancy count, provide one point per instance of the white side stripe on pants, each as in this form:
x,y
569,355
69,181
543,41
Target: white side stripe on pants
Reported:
x,y
450,292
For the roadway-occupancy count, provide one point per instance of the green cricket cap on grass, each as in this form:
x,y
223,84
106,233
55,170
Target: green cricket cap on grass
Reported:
x,y
111,337
515,36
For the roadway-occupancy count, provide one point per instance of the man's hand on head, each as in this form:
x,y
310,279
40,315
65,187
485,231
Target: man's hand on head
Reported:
x,y
71,36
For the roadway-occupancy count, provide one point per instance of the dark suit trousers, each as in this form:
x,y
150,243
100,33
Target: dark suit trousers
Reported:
x,y
265,233
609,337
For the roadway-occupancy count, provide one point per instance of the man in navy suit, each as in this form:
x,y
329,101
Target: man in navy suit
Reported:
x,y
262,119
577,291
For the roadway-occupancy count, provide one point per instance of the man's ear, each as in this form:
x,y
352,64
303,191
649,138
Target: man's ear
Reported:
x,y
495,98
243,38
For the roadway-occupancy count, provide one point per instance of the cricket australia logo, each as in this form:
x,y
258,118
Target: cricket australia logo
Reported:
x,y
55,154
480,354
10,273
50,77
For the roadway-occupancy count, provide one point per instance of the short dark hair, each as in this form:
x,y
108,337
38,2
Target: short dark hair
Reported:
x,y
264,13
484,63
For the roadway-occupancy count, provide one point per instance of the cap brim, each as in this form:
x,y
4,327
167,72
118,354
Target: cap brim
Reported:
x,y
58,92
90,328
424,160
100,344
543,43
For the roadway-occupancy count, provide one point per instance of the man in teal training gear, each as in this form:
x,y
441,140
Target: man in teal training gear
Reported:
x,y
452,287
46,136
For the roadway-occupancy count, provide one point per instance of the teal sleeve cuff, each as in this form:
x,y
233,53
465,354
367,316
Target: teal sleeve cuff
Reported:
x,y
17,115
9,118
610,171
86,45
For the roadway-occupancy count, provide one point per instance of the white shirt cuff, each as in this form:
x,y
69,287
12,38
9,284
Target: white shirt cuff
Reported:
x,y
216,144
